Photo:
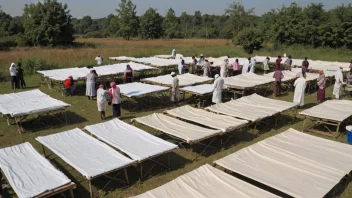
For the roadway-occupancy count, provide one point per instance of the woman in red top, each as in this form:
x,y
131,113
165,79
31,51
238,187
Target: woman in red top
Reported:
x,y
69,85
128,75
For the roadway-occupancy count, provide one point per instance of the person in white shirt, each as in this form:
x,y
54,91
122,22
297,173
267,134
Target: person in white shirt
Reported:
x,y
206,68
173,53
181,66
174,91
101,101
253,62
245,66
13,75
338,83
99,60
266,65
224,68
300,86
217,89
115,96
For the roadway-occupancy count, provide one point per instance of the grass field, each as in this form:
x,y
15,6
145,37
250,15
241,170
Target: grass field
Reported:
x,y
84,112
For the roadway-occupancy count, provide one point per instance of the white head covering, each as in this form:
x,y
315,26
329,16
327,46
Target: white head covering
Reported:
x,y
173,73
216,76
13,64
201,54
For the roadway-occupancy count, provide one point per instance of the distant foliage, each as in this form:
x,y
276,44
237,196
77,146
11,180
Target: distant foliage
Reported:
x,y
151,24
171,25
32,65
250,39
128,20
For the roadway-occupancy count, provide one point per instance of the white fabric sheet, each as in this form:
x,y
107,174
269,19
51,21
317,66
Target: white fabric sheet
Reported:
x,y
86,154
136,143
290,75
184,79
139,89
295,163
28,102
81,73
29,173
216,121
189,132
158,62
252,108
206,182
247,80
199,89
338,110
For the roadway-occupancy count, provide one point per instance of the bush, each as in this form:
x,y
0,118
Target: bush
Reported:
x,y
250,39
32,65
7,42
96,34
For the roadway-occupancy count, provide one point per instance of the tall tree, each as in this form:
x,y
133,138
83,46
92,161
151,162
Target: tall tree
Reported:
x,y
239,17
128,20
151,24
170,24
48,23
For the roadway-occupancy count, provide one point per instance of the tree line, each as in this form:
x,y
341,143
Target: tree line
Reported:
x,y
49,23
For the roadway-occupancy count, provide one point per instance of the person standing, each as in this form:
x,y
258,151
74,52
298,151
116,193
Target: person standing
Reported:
x,y
101,101
70,85
206,68
338,83
224,68
305,65
181,66
90,84
217,89
245,66
349,80
13,75
201,60
174,92
321,82
278,62
253,63
115,96
192,65
20,74
351,64
278,75
173,53
236,66
288,63
266,65
128,75
300,86
99,60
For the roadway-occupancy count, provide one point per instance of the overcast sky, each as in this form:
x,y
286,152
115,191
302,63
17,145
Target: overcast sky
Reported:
x,y
102,8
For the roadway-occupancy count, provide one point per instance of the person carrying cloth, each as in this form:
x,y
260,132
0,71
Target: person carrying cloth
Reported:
x,y
174,92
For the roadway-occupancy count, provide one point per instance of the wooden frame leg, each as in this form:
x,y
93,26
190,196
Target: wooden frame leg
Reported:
x,y
126,176
71,193
304,123
90,189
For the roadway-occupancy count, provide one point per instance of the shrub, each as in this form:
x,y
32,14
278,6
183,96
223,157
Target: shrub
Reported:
x,y
32,65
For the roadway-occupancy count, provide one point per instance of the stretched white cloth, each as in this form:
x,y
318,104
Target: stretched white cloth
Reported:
x,y
206,182
199,89
139,89
184,80
247,80
136,143
81,73
295,163
291,75
300,87
216,121
164,56
189,132
86,154
29,173
158,62
338,110
28,102
252,108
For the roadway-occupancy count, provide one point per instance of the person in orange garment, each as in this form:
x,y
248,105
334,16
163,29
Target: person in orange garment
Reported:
x,y
70,85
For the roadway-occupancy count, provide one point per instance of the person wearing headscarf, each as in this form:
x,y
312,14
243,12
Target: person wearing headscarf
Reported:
x,y
266,64
20,76
174,92
321,82
300,86
115,96
236,66
278,61
206,68
338,83
13,75
181,66
201,60
218,86
128,74
173,53
278,75
70,85
224,68
101,101
90,84
245,66
253,63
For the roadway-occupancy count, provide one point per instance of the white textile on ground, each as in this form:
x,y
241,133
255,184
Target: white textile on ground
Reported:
x,y
86,154
252,108
247,80
139,89
28,102
199,89
295,163
81,73
338,110
290,75
206,182
206,118
189,132
184,79
136,143
158,62
29,173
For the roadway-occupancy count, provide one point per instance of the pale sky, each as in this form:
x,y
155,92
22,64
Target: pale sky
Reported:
x,y
102,8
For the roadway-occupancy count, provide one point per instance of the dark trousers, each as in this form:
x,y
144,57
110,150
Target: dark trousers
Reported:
x,y
277,88
116,110
13,82
22,83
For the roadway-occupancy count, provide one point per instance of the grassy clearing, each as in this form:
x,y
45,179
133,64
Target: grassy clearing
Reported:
x,y
84,112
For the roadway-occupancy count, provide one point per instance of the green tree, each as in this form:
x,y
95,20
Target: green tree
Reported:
x,y
48,23
151,24
128,21
250,39
238,18
170,24
114,26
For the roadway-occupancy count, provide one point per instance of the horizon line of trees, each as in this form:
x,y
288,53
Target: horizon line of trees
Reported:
x,y
49,23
